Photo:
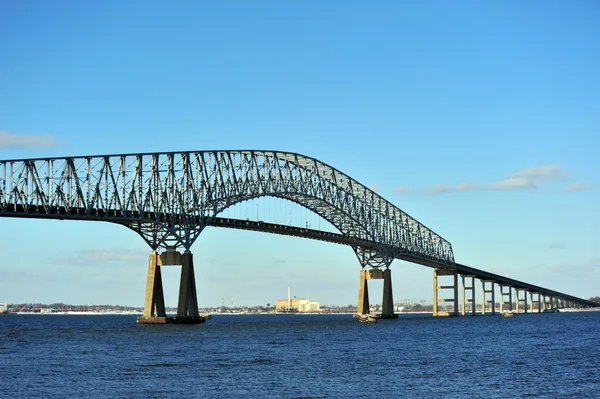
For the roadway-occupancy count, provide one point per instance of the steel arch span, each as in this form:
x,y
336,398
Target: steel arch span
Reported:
x,y
168,198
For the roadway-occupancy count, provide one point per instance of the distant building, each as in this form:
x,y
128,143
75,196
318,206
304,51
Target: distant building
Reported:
x,y
3,308
300,305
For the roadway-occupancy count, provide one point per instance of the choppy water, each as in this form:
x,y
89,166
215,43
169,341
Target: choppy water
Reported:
x,y
294,356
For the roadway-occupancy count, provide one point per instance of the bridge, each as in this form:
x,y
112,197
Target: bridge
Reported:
x,y
170,198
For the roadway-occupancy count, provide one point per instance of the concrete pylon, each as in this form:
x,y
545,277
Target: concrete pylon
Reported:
x,y
464,296
436,287
187,308
503,296
387,311
519,300
484,300
530,302
363,293
154,305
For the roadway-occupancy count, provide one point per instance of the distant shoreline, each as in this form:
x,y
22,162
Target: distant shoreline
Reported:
x,y
250,314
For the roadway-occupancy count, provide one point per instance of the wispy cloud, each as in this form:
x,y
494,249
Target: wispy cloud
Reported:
x,y
577,187
443,188
530,178
555,245
96,256
543,173
401,190
12,140
438,189
512,183
374,187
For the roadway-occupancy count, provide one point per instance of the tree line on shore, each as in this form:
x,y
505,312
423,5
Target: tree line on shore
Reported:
x,y
63,307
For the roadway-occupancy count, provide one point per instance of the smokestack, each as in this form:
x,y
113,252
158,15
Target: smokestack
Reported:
x,y
289,299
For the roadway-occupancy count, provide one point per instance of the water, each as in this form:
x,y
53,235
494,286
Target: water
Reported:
x,y
301,356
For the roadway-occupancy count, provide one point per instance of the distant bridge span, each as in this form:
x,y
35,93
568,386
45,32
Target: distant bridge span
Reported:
x,y
341,239
169,198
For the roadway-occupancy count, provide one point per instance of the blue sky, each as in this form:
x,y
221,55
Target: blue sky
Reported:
x,y
480,119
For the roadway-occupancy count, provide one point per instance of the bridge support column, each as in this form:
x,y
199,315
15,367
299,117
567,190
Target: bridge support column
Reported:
x,y
503,295
464,299
520,300
187,308
484,300
436,287
154,306
387,311
530,302
363,293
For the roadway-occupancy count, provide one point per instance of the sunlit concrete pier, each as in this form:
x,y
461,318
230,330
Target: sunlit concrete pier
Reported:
x,y
154,305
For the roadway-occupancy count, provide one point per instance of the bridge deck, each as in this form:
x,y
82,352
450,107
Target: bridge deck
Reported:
x,y
341,239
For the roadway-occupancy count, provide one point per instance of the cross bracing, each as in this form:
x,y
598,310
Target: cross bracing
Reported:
x,y
168,198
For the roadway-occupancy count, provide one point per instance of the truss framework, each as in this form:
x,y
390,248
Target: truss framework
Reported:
x,y
168,198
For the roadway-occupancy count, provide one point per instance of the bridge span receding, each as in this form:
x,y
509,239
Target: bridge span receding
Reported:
x,y
169,198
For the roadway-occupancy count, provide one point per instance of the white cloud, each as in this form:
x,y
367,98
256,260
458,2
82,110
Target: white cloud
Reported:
x,y
542,174
532,177
12,140
439,189
512,183
466,186
401,190
555,245
577,187
442,188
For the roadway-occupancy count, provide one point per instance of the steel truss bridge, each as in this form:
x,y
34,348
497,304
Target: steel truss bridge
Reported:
x,y
169,198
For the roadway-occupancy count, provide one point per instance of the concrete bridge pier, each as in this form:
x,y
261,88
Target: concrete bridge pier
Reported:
x,y
503,295
519,300
363,293
454,289
547,303
387,303
154,305
531,301
387,311
464,298
484,300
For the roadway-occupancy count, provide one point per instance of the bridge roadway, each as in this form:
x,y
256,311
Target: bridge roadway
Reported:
x,y
341,239
15,210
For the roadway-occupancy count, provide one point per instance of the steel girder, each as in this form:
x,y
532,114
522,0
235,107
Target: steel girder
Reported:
x,y
168,198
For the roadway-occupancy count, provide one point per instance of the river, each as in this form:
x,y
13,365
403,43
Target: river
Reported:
x,y
301,356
